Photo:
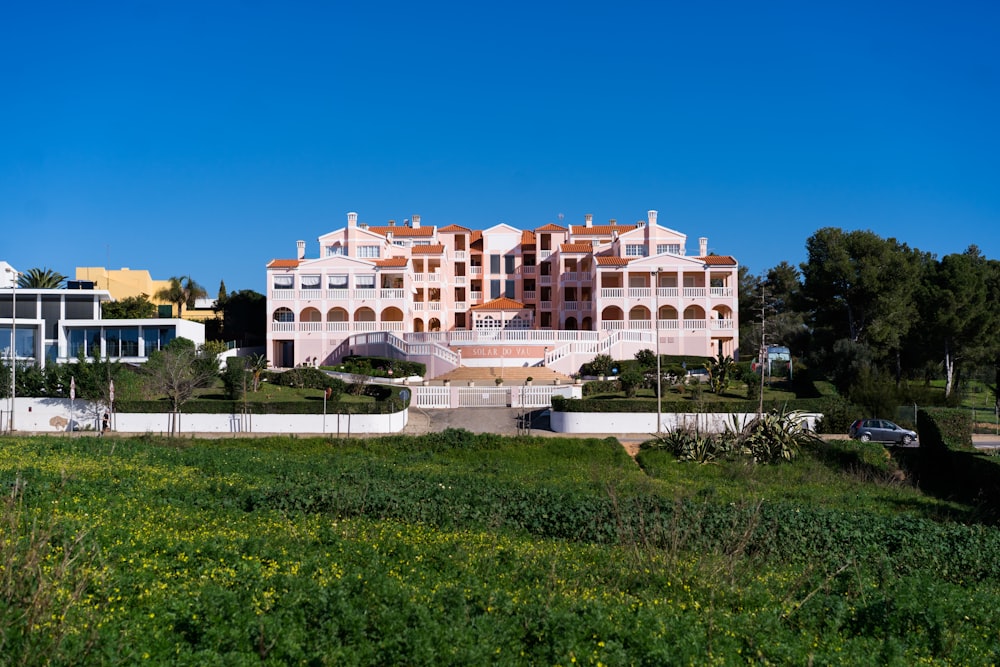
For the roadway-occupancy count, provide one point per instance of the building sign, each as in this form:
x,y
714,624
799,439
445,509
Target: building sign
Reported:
x,y
502,351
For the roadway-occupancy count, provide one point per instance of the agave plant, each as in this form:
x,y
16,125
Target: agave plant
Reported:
x,y
689,445
773,436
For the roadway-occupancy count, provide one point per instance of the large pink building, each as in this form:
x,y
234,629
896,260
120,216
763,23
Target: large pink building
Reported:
x,y
555,295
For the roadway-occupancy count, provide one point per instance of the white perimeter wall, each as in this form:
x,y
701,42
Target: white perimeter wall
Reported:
x,y
613,423
54,415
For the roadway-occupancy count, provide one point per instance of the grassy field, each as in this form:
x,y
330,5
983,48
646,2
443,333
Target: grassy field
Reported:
x,y
456,548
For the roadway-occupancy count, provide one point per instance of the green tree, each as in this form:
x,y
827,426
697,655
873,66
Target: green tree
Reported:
x,y
244,318
181,291
959,319
720,373
131,307
222,291
41,279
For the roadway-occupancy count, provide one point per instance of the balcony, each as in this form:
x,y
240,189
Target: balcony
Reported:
x,y
527,270
545,280
695,324
366,326
570,276
418,305
434,305
365,293
544,254
461,280
668,324
545,305
338,326
528,295
723,325
282,326
392,293
310,294
721,291
667,292
476,270
640,292
476,296
612,292
695,291
459,255
310,326
419,277
569,305
338,294
283,294
461,306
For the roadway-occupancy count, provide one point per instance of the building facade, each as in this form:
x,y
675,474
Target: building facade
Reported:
x,y
563,291
57,325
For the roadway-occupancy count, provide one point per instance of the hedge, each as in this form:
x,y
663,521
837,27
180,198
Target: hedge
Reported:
x,y
390,402
562,404
945,429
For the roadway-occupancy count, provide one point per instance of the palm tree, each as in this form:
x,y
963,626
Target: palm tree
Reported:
x,y
182,291
41,279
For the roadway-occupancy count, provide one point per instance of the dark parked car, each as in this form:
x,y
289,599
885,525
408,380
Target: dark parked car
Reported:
x,y
881,430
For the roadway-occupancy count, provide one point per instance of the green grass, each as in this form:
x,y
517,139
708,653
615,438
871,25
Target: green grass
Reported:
x,y
478,549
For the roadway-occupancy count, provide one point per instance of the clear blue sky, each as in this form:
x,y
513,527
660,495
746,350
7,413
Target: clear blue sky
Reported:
x,y
205,138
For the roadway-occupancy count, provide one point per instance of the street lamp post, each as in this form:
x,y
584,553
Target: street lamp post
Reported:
x,y
13,343
656,333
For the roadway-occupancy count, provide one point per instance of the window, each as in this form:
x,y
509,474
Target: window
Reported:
x,y
416,243
284,315
122,342
508,267
24,342
369,251
309,282
635,250
508,289
335,250
672,248
365,281
494,263
155,338
283,282
85,341
494,289
338,281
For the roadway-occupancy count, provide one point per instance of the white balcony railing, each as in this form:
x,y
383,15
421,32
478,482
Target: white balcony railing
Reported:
x,y
418,305
640,324
366,326
529,295
392,293
434,305
544,254
476,270
283,326
308,294
338,294
695,324
365,293
461,280
570,276
668,324
546,305
283,294
392,326
461,306
545,280
459,255
613,325
723,325
476,296
310,326
338,326
612,292
640,292
695,291
527,270
666,292
721,291
569,305
419,277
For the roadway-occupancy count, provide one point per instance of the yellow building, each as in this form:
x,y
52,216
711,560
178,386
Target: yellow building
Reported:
x,y
125,282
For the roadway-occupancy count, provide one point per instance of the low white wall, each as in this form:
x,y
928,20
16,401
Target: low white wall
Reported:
x,y
613,423
57,415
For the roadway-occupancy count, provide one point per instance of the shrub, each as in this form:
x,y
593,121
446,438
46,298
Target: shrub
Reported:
x,y
601,387
944,429
600,365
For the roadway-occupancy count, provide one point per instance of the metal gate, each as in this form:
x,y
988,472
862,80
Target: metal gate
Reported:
x,y
484,397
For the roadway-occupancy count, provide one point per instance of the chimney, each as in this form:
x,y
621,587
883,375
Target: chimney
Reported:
x,y
590,219
301,245
352,219
363,225
392,223
703,246
651,216
388,237
612,222
416,222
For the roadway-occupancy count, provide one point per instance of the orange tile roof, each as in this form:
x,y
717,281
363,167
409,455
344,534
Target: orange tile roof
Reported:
x,y
602,230
551,227
403,230
719,260
612,261
392,263
576,247
527,237
428,249
503,303
283,264
454,228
